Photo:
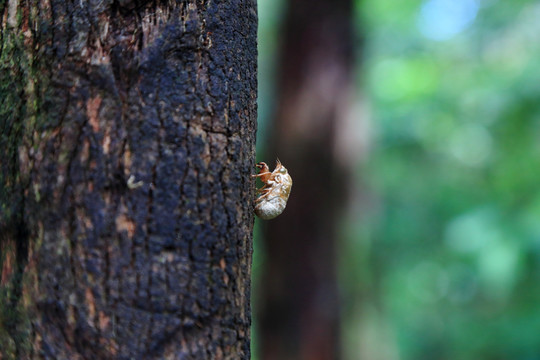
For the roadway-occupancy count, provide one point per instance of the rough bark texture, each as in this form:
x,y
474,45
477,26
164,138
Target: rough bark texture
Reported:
x,y
300,310
127,133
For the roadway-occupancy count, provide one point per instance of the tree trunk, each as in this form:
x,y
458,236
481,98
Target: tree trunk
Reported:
x,y
127,130
300,310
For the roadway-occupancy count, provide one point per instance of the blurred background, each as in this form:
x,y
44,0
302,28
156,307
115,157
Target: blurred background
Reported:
x,y
412,132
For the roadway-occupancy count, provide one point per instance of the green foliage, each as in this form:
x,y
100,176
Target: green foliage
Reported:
x,y
455,168
443,260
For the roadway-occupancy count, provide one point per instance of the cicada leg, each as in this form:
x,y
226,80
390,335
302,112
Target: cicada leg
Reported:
x,y
264,191
264,172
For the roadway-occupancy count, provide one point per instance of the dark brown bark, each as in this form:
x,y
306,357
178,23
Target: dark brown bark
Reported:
x,y
300,310
127,130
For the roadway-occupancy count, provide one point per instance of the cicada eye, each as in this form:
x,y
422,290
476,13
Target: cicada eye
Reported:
x,y
283,170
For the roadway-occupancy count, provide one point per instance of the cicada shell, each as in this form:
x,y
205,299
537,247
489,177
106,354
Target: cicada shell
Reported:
x,y
275,191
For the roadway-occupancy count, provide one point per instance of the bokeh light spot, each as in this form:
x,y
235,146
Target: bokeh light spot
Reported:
x,y
471,144
442,19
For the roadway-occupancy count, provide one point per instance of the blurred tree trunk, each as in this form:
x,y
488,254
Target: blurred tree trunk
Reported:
x,y
300,301
127,132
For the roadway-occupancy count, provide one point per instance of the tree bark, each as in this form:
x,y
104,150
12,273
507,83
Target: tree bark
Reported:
x,y
127,130
300,302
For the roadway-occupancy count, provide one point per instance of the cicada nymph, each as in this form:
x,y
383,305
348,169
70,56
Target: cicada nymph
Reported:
x,y
275,192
